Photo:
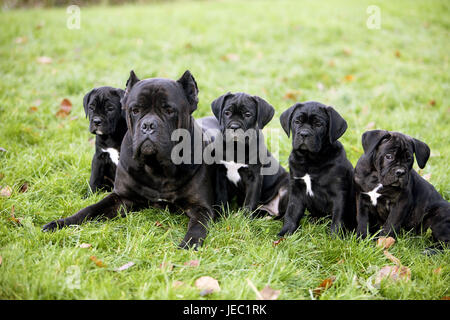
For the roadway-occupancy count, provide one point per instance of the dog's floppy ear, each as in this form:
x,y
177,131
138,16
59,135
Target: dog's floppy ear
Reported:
x,y
187,81
422,152
265,111
286,118
86,100
371,139
217,105
336,124
132,80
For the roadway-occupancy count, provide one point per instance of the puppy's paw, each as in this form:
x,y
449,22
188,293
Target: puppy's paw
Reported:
x,y
190,244
51,226
287,230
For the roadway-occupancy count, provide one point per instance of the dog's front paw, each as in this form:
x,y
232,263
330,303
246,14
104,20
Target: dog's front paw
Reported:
x,y
287,230
190,244
51,226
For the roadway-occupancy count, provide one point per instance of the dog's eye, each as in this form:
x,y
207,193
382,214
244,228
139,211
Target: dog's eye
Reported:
x,y
169,111
318,124
297,121
389,156
135,110
248,114
111,108
227,113
91,108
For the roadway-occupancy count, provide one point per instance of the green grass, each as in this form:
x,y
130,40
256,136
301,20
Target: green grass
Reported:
x,y
400,81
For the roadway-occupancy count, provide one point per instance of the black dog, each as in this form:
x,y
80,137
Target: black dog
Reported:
x,y
146,175
321,177
391,194
249,171
107,122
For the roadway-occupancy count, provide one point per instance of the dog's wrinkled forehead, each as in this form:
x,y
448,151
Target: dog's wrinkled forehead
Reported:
x,y
241,101
396,143
104,95
312,109
156,93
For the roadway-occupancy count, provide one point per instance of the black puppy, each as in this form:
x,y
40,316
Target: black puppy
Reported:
x,y
321,177
391,194
246,169
107,122
146,175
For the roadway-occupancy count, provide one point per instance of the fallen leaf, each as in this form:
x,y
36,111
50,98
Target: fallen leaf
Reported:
x,y
324,285
230,57
341,261
267,293
40,25
166,266
277,242
437,270
432,102
64,109
292,95
97,262
349,78
24,187
6,191
158,224
397,53
385,243
445,298
33,109
85,245
347,51
125,266
392,258
192,263
331,63
44,60
207,285
21,40
394,273
13,217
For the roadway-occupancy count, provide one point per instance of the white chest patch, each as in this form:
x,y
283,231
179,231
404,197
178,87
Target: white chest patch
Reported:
x,y
232,170
374,195
113,154
307,179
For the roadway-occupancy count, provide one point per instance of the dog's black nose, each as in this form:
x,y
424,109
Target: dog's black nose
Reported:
x,y
148,126
304,133
400,172
235,126
97,121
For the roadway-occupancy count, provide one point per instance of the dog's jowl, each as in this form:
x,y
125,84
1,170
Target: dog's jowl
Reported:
x,y
107,122
390,194
247,170
321,177
146,175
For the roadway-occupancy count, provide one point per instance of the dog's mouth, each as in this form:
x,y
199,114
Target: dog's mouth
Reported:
x,y
147,148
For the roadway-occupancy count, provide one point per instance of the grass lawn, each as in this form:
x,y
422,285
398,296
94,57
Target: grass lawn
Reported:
x,y
394,78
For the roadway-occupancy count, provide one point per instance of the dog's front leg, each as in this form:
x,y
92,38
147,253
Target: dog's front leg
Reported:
x,y
253,192
294,212
106,208
96,181
362,217
395,219
197,227
337,213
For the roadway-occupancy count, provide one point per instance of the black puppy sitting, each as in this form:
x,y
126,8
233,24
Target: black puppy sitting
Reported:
x,y
321,177
391,194
146,175
107,122
246,169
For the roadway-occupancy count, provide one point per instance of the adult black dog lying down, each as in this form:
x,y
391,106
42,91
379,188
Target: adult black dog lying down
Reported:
x,y
146,175
246,169
391,194
107,121
321,177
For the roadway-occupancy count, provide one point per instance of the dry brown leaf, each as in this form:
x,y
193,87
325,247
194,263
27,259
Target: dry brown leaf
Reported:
x,y
341,261
432,102
292,95
397,53
6,191
85,245
349,78
394,273
13,217
64,109
125,266
24,187
33,109
267,293
324,285
207,285
437,270
166,266
445,298
44,60
392,258
277,242
97,262
192,263
158,224
385,243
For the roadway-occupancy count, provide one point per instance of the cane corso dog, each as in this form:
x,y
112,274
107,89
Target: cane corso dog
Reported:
x,y
246,170
321,177
390,194
146,175
107,122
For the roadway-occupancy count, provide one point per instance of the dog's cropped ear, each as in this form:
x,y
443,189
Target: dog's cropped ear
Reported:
x,y
265,111
218,104
286,118
422,152
189,85
132,80
371,139
336,124
86,100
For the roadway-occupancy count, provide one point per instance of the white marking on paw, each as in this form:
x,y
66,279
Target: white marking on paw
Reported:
x,y
232,170
307,179
374,195
113,154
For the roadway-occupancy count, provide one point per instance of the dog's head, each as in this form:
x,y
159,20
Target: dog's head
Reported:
x,y
392,155
241,112
103,107
313,125
154,109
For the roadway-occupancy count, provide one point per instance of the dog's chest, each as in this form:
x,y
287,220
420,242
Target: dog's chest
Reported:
x,y
306,179
113,154
233,170
374,194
